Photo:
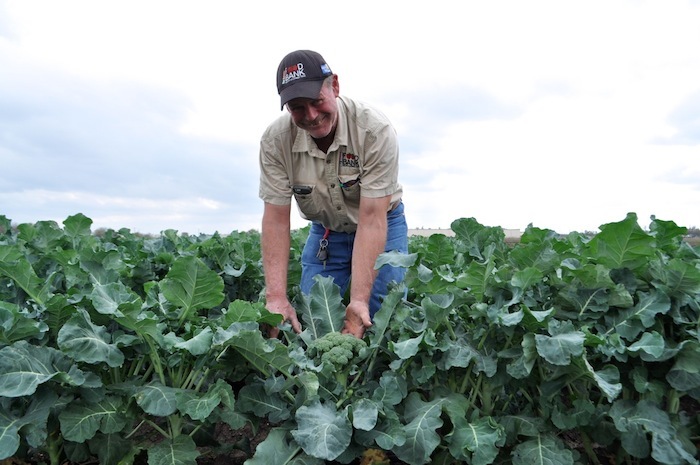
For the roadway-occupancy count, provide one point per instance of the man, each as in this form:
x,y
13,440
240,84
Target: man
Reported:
x,y
339,159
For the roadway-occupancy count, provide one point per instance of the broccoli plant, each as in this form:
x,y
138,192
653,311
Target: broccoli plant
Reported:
x,y
338,355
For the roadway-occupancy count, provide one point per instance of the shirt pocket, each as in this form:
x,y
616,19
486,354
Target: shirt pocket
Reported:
x,y
309,203
350,185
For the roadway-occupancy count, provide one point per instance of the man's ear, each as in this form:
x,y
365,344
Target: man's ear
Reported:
x,y
336,85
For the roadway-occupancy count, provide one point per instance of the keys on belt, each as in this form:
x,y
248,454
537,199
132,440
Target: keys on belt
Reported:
x,y
322,253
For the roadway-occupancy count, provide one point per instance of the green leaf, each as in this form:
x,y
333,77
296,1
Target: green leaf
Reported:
x,y
677,277
365,414
479,240
542,450
241,311
521,367
322,310
384,318
87,342
607,379
395,259
476,278
112,449
15,266
199,344
630,322
280,449
192,286
437,308
685,373
650,343
406,349
563,343
579,414
392,389
253,398
666,448
23,367
156,399
440,249
199,406
633,419
526,278
421,433
114,298
35,418
77,226
460,353
9,433
650,305
622,244
265,355
476,443
322,431
177,451
80,421
16,324
667,233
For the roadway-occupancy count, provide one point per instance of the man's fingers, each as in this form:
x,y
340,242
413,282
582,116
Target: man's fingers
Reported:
x,y
296,326
288,313
356,327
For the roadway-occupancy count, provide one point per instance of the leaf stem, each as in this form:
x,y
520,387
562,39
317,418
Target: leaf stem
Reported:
x,y
157,428
155,359
589,448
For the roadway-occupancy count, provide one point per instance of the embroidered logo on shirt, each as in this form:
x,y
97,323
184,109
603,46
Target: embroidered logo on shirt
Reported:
x,y
349,160
293,73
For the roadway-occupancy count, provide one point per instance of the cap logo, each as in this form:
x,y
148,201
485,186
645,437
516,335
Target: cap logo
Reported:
x,y
292,73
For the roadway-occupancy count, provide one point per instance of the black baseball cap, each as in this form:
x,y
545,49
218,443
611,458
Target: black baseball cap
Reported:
x,y
301,74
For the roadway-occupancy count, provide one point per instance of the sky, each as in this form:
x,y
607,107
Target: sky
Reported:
x,y
147,114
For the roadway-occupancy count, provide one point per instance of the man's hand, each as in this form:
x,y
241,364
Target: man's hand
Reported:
x,y
284,308
357,319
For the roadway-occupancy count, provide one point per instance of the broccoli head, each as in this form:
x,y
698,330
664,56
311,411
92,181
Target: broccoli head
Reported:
x,y
336,349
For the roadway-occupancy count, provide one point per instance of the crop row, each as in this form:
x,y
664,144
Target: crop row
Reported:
x,y
557,349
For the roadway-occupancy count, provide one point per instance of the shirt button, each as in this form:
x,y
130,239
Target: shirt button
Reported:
x,y
338,207
332,186
328,161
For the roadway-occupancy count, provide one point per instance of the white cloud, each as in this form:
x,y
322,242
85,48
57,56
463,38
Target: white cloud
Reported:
x,y
565,115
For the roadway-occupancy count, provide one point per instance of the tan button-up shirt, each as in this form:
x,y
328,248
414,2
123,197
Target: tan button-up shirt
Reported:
x,y
363,160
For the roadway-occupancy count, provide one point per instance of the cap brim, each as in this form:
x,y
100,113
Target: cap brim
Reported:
x,y
306,89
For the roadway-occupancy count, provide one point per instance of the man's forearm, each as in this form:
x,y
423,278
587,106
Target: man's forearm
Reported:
x,y
370,240
275,243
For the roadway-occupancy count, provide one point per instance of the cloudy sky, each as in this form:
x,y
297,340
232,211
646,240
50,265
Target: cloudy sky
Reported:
x,y
146,114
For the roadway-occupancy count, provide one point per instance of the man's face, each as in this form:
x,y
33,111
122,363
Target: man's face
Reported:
x,y
317,116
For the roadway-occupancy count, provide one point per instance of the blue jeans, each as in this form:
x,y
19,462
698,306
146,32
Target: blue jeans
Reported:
x,y
338,264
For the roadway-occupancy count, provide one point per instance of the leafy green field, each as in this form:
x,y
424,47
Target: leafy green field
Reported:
x,y
561,350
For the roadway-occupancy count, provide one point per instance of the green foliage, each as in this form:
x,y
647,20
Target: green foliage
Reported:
x,y
544,351
100,337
